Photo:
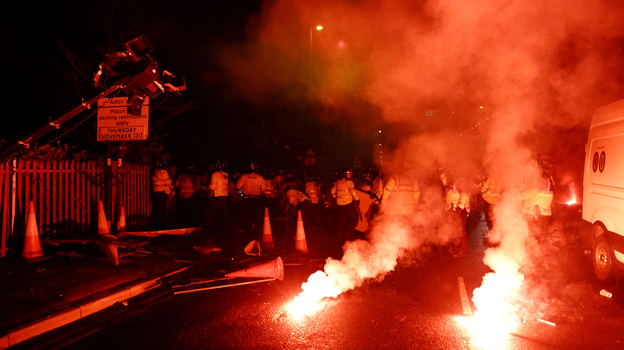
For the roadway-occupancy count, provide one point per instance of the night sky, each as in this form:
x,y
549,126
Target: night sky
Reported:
x,y
51,52
424,72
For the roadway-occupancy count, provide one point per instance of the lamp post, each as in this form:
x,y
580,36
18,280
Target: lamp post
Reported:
x,y
319,27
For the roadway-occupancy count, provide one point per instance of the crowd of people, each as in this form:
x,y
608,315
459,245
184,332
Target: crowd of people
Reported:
x,y
231,206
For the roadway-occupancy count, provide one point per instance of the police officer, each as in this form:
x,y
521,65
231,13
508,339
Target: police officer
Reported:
x,y
217,206
376,189
314,210
347,202
253,187
401,193
458,207
162,189
491,191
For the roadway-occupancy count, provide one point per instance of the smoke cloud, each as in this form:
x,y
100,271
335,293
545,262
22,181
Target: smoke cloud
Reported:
x,y
479,82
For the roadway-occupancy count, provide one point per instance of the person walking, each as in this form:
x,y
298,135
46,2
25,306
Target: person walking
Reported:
x,y
347,201
217,208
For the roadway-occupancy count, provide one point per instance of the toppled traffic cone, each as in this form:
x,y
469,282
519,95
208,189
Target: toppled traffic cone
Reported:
x,y
207,248
253,248
102,222
267,234
271,269
32,246
121,224
109,245
300,239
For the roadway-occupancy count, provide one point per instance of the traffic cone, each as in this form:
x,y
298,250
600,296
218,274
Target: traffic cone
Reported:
x,y
121,224
300,239
271,269
32,246
102,222
267,234
208,248
109,244
253,248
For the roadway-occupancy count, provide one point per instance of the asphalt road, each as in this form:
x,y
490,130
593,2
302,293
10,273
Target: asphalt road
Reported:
x,y
417,306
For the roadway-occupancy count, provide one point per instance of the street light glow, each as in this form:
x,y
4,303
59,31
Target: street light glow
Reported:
x,y
319,27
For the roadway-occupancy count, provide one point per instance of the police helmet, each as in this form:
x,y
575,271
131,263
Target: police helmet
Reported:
x,y
347,173
221,164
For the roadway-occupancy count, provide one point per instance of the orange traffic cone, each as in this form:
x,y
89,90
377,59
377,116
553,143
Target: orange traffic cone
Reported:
x,y
109,244
32,246
102,222
300,239
267,234
121,224
253,248
208,248
271,269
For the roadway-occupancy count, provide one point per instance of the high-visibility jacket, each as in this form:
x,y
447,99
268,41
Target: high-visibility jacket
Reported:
x,y
312,190
186,184
219,183
458,195
252,185
401,193
161,181
401,190
491,190
294,197
539,196
344,192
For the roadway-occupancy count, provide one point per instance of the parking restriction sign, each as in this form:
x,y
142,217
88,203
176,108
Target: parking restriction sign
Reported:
x,y
115,124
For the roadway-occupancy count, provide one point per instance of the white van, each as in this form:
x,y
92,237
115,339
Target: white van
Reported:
x,y
603,190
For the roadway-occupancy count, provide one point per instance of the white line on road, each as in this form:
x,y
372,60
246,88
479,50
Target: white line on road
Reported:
x,y
464,297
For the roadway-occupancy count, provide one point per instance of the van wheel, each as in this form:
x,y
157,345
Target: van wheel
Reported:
x,y
597,230
604,260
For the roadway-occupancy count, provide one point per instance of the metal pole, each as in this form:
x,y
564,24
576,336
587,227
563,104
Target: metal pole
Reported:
x,y
310,91
223,286
53,125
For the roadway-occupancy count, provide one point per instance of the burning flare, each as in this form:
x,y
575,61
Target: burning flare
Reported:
x,y
319,286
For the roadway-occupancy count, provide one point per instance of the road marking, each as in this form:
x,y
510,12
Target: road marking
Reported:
x,y
464,297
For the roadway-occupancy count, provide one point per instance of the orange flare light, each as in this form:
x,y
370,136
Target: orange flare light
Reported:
x,y
319,286
572,200
495,317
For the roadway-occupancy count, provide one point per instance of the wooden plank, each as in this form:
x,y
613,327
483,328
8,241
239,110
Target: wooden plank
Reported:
x,y
82,197
47,196
54,194
89,193
72,195
4,178
23,194
173,232
65,196
40,198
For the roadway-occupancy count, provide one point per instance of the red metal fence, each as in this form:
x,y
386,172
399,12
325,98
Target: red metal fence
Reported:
x,y
66,195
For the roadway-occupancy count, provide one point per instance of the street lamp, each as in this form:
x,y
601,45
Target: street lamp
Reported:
x,y
319,27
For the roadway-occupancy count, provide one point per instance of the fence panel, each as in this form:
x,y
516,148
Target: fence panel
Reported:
x,y
5,188
66,196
